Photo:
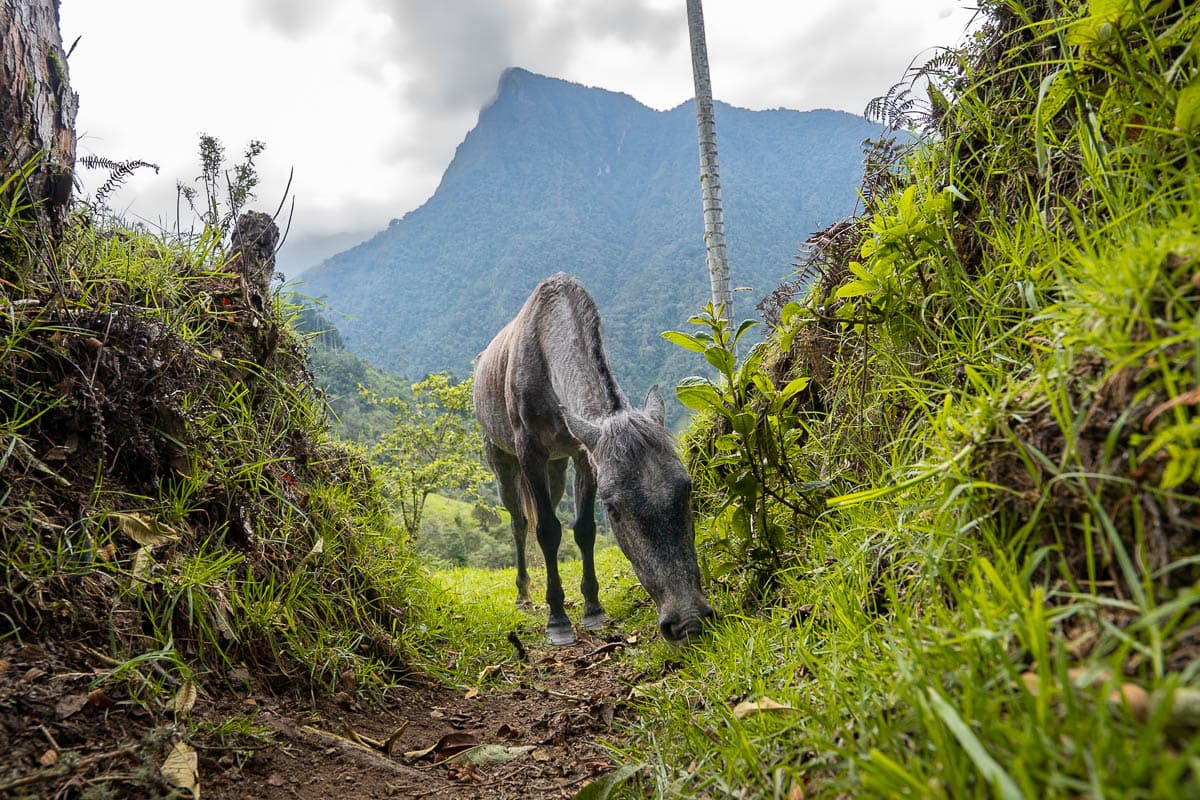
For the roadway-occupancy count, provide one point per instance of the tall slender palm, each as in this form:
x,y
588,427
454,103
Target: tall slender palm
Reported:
x,y
710,177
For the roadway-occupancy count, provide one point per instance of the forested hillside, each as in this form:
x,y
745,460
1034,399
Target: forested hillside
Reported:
x,y
559,177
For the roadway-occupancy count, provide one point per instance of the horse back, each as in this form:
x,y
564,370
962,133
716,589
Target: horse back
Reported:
x,y
549,357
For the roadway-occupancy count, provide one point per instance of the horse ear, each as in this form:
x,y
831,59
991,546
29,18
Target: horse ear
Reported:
x,y
654,405
581,429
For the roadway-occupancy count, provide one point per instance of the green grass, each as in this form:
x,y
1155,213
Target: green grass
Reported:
x,y
463,616
448,508
924,697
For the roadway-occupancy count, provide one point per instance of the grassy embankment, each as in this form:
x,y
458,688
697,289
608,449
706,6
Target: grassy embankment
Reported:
x,y
170,492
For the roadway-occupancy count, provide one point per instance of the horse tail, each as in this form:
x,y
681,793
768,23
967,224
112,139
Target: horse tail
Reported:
x,y
528,506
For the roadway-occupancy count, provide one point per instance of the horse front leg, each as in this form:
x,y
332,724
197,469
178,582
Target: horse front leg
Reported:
x,y
585,537
549,536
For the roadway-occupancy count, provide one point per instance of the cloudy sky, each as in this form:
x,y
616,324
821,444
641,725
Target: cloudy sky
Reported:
x,y
367,99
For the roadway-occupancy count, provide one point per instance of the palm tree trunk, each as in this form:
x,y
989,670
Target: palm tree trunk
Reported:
x,y
37,111
710,177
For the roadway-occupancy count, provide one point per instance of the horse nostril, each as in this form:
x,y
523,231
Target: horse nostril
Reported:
x,y
676,630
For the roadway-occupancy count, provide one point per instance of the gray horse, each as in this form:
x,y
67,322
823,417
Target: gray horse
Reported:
x,y
544,393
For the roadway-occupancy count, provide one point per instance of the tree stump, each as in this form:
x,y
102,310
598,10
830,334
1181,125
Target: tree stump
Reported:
x,y
37,115
253,243
254,238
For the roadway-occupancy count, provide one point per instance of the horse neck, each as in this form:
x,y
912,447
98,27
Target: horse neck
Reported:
x,y
578,362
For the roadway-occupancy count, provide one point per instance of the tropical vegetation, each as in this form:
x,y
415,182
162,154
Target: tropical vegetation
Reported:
x,y
946,497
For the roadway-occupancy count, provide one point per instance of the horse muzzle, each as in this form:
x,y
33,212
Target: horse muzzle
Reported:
x,y
680,628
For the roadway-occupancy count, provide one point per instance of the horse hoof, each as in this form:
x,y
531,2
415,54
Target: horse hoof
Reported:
x,y
560,636
524,603
593,621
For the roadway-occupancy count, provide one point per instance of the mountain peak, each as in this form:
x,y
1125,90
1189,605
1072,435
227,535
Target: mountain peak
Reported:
x,y
561,177
517,74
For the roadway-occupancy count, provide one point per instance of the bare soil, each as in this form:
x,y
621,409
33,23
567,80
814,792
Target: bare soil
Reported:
x,y
540,734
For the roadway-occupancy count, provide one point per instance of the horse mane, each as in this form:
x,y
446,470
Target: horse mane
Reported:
x,y
629,432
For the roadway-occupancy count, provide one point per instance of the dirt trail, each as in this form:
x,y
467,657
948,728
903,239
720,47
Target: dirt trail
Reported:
x,y
537,737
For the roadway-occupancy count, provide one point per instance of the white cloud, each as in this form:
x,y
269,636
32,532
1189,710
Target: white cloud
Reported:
x,y
367,99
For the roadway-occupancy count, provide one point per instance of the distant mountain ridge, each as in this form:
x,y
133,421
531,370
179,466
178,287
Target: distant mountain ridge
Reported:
x,y
558,176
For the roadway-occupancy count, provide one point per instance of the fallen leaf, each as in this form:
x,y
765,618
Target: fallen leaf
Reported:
x,y
389,746
32,674
489,672
317,549
444,747
275,779
49,758
71,704
144,529
181,769
486,754
542,754
185,698
464,773
142,561
748,707
605,712
644,689
602,788
1133,696
100,699
506,731
471,693
362,739
5,665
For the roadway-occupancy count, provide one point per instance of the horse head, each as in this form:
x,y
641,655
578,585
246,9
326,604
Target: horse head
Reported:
x,y
646,493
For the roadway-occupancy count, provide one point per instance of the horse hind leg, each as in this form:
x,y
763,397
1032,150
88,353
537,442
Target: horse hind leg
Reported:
x,y
508,474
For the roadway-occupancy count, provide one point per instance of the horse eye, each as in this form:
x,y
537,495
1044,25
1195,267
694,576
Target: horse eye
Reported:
x,y
610,506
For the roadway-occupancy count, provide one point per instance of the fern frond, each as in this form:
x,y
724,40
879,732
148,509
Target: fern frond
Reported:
x,y
118,171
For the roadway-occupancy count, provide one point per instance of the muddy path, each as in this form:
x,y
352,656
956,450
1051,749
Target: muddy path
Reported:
x,y
538,733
